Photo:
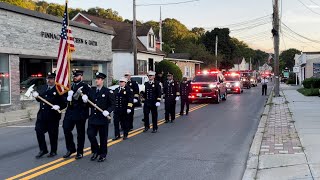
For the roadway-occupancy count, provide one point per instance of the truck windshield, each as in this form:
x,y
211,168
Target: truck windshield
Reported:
x,y
137,79
205,78
232,78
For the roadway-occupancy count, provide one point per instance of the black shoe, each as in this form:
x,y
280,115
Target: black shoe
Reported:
x,y
116,138
41,153
94,156
125,137
101,159
154,131
52,154
181,113
187,113
68,154
171,121
79,156
145,129
166,121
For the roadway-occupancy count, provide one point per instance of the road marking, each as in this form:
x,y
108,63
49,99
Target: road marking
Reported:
x,y
57,163
30,126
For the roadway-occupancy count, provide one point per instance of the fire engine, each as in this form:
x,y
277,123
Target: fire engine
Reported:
x,y
233,82
209,86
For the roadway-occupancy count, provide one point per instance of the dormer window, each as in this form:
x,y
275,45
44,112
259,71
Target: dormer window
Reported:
x,y
151,40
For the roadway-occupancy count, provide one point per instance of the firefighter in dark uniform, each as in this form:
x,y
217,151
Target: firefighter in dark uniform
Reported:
x,y
152,98
98,122
48,117
171,93
185,89
124,102
135,88
76,115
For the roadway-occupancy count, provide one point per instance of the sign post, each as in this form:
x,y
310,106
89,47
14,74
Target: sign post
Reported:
x,y
296,70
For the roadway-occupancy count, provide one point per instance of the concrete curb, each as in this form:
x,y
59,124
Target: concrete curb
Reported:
x,y
253,157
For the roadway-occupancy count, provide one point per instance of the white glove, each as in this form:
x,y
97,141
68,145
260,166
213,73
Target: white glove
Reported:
x,y
128,111
70,93
177,98
55,107
69,98
35,94
157,104
85,98
135,100
105,113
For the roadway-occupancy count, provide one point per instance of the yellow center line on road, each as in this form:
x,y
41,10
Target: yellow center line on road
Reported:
x,y
57,163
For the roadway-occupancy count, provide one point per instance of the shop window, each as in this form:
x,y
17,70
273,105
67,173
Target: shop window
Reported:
x,y
4,79
142,67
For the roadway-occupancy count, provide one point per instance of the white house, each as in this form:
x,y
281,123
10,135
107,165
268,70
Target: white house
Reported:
x,y
148,52
241,67
309,65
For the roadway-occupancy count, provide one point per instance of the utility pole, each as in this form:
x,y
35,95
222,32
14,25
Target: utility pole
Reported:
x,y
160,30
250,67
275,32
134,39
216,51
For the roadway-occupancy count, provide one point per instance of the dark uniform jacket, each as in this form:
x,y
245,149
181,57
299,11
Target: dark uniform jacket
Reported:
x,y
152,93
123,99
185,89
77,109
46,113
171,89
105,100
135,88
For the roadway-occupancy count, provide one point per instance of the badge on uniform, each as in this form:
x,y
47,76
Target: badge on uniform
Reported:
x,y
103,95
152,85
124,92
111,91
130,84
54,93
173,84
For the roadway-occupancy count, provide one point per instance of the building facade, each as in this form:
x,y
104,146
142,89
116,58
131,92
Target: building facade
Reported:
x,y
29,43
309,65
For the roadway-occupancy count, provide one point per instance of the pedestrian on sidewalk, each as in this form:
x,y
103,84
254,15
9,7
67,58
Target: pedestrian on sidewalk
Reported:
x,y
171,93
76,116
123,107
264,86
185,89
48,117
152,98
98,122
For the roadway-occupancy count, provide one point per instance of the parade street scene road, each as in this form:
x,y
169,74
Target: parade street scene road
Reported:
x,y
212,142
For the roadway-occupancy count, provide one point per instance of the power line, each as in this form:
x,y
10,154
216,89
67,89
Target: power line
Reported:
x,y
166,4
309,8
288,28
315,3
252,26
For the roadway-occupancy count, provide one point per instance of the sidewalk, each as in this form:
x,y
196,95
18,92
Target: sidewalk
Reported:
x,y
286,145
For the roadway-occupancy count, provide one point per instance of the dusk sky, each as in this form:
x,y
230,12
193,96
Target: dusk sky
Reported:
x,y
214,13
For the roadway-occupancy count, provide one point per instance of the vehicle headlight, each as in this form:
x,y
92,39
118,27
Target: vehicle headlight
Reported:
x,y
251,79
212,86
237,84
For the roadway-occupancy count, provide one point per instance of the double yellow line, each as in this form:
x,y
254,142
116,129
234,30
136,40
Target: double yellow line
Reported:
x,y
38,171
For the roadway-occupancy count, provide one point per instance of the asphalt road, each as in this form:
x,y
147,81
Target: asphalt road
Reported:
x,y
211,143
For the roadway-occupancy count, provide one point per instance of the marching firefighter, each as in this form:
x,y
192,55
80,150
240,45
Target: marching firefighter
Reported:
x,y
123,107
171,93
152,98
98,122
185,89
48,116
135,88
76,116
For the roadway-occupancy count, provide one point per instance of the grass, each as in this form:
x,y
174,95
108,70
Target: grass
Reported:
x,y
309,92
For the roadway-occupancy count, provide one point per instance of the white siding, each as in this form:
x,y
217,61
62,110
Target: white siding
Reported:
x,y
122,63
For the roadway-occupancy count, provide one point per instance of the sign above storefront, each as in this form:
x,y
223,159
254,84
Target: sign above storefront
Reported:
x,y
48,35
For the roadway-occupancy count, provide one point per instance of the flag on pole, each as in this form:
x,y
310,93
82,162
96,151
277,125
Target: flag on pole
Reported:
x,y
66,47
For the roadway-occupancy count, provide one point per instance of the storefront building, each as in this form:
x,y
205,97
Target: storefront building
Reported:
x,y
29,43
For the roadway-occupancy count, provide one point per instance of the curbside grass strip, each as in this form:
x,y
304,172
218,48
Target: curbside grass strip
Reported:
x,y
251,170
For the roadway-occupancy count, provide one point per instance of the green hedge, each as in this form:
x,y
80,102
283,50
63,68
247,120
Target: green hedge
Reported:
x,y
166,66
311,83
309,92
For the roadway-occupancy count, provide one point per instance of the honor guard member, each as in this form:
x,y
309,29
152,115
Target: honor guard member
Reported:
x,y
152,98
171,93
124,102
185,89
135,88
76,115
48,117
98,122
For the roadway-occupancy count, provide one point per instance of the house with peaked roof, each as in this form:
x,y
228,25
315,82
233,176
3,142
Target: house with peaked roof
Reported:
x,y
123,61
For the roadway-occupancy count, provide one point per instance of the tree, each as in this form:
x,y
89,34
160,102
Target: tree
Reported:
x,y
55,10
105,13
287,58
154,24
199,32
166,66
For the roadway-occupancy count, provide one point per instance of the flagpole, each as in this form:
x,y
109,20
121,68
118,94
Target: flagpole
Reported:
x,y
69,54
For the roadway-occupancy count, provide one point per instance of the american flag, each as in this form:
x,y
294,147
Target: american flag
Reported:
x,y
66,47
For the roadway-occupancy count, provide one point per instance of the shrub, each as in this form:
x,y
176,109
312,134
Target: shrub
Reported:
x,y
311,83
166,66
309,92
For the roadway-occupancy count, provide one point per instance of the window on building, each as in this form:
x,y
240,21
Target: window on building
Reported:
x,y
4,79
187,71
142,67
151,40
